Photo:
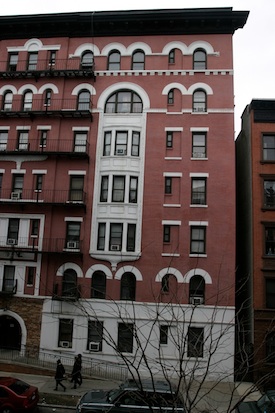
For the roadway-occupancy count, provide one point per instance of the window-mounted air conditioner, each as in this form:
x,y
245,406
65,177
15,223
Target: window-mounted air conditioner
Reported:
x,y
196,300
121,152
94,346
72,245
11,241
15,195
64,344
115,247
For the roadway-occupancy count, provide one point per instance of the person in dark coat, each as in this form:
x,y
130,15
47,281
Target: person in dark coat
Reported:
x,y
76,372
59,375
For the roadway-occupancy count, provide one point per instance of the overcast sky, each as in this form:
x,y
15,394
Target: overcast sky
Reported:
x,y
254,52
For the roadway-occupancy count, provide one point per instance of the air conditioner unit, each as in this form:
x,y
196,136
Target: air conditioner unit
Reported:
x,y
115,247
196,300
64,344
72,245
15,195
94,346
121,152
11,241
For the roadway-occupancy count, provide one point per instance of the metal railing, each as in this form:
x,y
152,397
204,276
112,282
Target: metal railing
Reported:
x,y
52,105
66,146
23,66
47,196
47,360
30,244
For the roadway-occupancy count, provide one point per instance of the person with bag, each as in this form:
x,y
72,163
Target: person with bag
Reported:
x,y
59,375
76,372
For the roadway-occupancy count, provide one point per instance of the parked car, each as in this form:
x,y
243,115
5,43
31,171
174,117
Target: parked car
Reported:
x,y
17,396
134,397
265,404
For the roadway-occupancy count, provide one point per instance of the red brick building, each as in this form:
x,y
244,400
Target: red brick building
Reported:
x,y
117,139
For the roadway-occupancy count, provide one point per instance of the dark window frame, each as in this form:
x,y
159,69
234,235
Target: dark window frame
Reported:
x,y
125,338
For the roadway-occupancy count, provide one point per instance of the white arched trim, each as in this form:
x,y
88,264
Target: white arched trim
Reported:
x,y
7,88
69,266
24,88
174,45
48,86
20,321
199,85
123,85
33,45
87,86
169,270
128,268
113,46
179,86
139,45
99,267
85,47
200,44
198,271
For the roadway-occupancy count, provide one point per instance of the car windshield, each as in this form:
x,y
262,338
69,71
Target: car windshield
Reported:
x,y
113,394
19,386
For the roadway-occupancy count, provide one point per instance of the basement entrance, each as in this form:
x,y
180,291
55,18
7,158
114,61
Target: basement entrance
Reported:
x,y
10,333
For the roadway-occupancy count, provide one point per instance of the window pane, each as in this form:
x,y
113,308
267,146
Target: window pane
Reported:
x,y
269,147
84,100
131,237
65,333
198,191
114,61
195,342
3,140
270,241
128,287
76,188
101,236
135,144
104,189
107,144
118,189
269,193
8,279
270,292
98,284
197,240
80,141
115,237
125,337
95,335
199,145
163,334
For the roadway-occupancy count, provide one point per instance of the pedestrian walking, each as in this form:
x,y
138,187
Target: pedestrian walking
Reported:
x,y
76,372
59,375
80,368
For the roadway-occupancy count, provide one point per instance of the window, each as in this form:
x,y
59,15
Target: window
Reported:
x,y
170,97
13,61
169,139
95,335
199,145
32,61
76,188
7,100
270,292
198,234
138,60
168,185
165,283
65,337
107,144
3,140
87,60
69,284
195,338
199,59
125,337
98,285
131,237
269,193
269,147
121,143
47,97
124,101
17,185
34,227
114,60
135,143
270,240
196,290
13,230
38,182
9,285
23,139
115,237
163,334
118,189
101,236
73,235
128,287
166,233
1,182
30,275
104,188
43,138
133,189
80,141
199,101
52,57
198,191
83,101
171,56
270,348
27,100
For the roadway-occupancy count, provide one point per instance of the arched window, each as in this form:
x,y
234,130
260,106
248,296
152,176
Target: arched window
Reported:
x,y
83,101
165,283
138,60
199,59
114,60
7,100
98,285
69,284
27,100
128,287
197,290
171,97
87,60
199,101
171,56
124,101
47,97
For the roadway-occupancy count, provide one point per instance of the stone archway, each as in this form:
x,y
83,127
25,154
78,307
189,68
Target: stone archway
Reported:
x,y
10,333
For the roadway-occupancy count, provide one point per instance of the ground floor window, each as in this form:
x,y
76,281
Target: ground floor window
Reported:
x,y
125,337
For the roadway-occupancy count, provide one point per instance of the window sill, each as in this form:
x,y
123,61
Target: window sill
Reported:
x,y
192,255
